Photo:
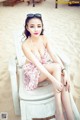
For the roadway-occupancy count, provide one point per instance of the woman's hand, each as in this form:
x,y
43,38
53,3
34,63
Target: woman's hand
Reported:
x,y
57,86
66,80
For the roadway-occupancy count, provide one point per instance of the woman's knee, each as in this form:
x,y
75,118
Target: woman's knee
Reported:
x,y
57,66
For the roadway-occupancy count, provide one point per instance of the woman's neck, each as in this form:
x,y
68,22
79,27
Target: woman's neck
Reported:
x,y
35,39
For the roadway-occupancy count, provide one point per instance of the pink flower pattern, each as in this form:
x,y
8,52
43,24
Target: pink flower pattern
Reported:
x,y
32,73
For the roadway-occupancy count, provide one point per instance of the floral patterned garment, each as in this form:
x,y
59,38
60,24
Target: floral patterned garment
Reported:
x,y
32,74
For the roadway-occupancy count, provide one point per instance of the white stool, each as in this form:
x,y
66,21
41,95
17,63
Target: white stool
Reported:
x,y
32,105
39,103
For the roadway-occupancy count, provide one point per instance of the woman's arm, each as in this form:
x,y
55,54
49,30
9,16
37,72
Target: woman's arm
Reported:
x,y
35,61
57,85
53,55
56,59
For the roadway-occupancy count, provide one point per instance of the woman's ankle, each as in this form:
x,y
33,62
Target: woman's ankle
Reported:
x,y
59,116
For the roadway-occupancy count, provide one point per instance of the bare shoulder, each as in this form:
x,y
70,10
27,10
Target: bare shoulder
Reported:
x,y
45,40
26,45
44,37
26,49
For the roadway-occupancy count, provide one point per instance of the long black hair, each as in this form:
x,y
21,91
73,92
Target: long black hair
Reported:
x,y
26,32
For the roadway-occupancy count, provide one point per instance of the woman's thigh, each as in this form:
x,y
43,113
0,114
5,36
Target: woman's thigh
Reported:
x,y
51,68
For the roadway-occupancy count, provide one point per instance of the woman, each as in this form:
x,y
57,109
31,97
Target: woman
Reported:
x,y
36,47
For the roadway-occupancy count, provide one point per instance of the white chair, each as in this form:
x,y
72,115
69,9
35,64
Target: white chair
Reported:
x,y
36,104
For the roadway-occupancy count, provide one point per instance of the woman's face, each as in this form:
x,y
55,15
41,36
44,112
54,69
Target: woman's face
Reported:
x,y
34,27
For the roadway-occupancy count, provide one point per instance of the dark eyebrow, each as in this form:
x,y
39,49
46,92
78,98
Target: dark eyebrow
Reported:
x,y
31,24
39,24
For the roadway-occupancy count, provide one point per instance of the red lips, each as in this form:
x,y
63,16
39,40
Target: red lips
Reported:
x,y
36,33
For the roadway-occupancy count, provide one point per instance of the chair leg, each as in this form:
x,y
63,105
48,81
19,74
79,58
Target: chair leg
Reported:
x,y
28,2
33,3
56,3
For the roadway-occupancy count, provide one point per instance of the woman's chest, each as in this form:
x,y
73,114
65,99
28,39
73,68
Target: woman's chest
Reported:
x,y
38,49
38,52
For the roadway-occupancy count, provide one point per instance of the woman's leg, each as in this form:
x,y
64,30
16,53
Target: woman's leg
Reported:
x,y
67,104
59,112
55,70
